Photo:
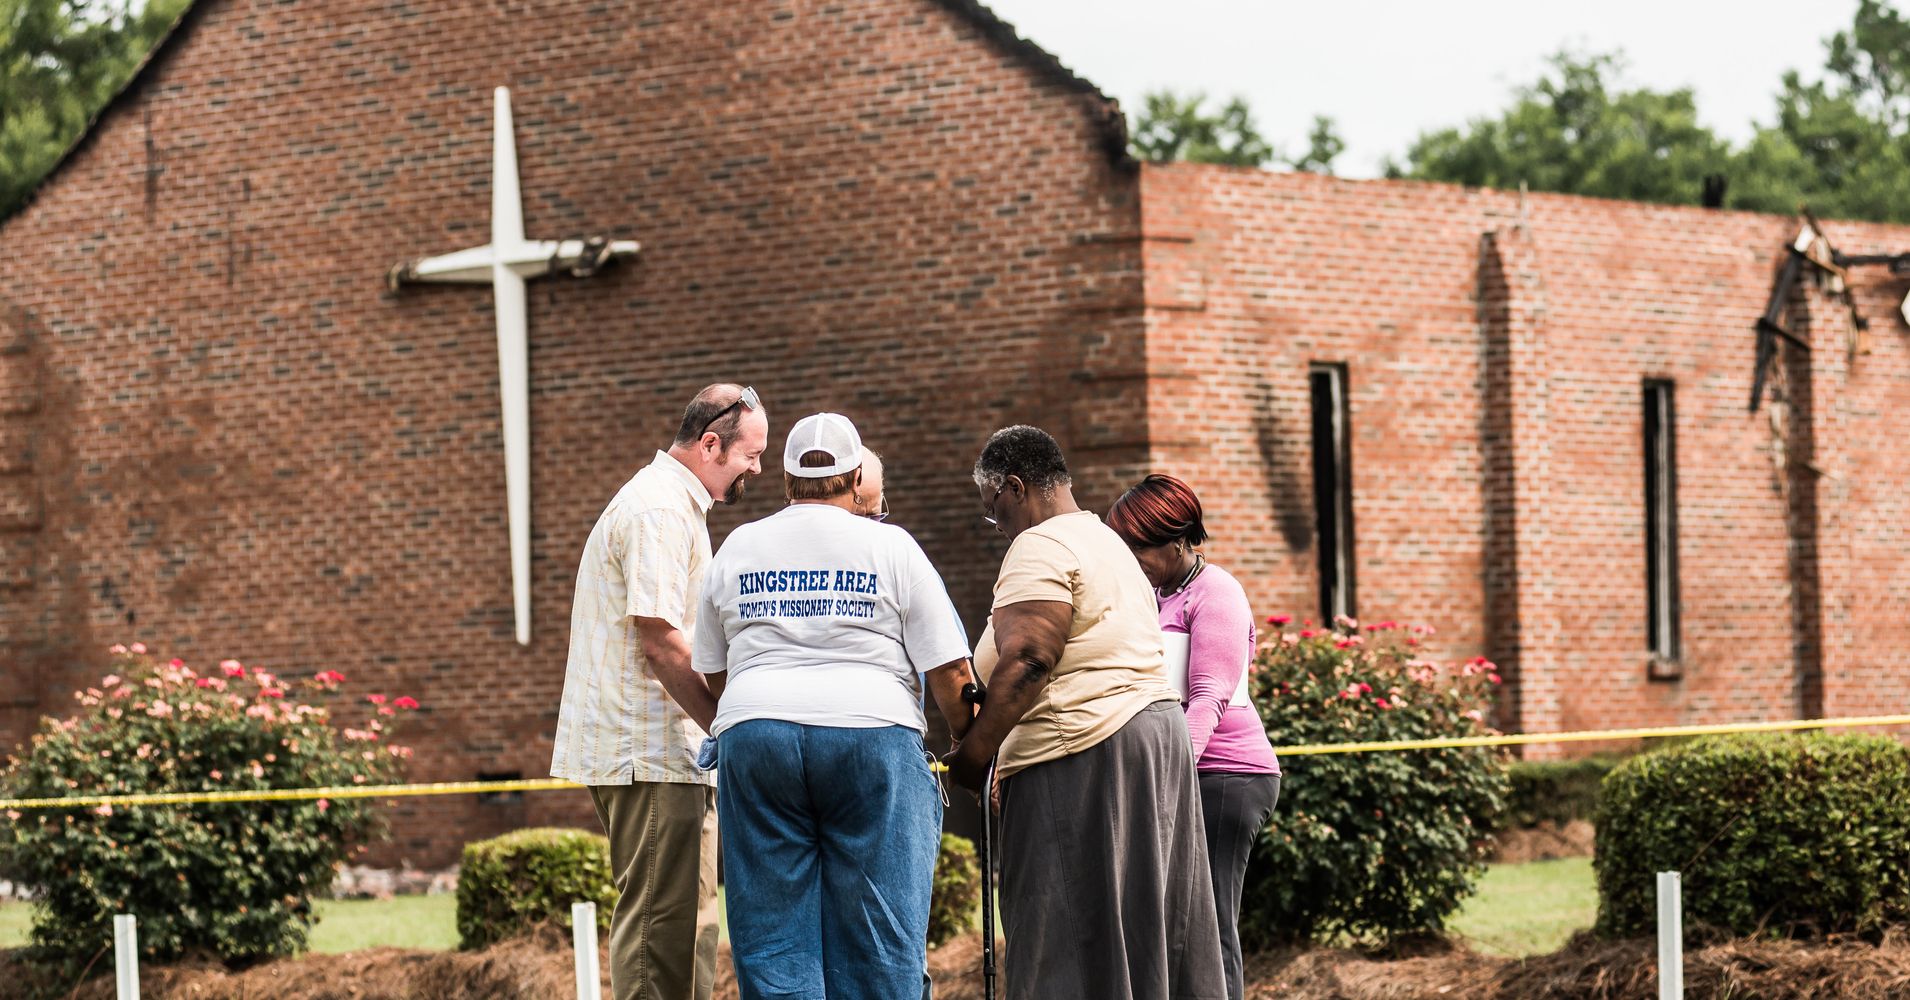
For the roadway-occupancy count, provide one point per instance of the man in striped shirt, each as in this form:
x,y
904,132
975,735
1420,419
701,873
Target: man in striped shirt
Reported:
x,y
634,712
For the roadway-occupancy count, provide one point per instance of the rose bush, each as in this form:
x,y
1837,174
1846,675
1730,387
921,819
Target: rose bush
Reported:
x,y
230,880
1372,846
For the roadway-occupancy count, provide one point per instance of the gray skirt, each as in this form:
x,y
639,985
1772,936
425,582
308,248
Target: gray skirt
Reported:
x,y
1105,887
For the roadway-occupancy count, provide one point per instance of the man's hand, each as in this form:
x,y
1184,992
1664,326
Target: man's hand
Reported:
x,y
667,650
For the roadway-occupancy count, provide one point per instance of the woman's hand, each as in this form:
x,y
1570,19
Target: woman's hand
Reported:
x,y
965,770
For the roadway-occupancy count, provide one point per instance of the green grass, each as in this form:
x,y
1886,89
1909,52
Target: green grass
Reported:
x,y
399,922
1528,909
343,924
15,918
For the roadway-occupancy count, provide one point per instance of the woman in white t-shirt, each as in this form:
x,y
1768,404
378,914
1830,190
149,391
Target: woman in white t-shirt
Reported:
x,y
818,628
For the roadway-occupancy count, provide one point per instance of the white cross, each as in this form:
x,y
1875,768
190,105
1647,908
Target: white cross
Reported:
x,y
505,263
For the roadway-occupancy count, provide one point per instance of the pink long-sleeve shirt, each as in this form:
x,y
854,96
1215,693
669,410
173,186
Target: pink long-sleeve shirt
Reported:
x,y
1214,613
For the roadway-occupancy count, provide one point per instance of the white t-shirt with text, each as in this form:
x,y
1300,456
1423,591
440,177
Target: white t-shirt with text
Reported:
x,y
824,618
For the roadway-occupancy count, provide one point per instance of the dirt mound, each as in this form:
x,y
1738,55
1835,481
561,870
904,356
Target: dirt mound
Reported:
x,y
539,968
1843,969
1586,969
1311,975
1546,842
530,968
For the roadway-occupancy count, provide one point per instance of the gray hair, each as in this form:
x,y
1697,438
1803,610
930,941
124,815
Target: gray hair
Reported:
x,y
1027,453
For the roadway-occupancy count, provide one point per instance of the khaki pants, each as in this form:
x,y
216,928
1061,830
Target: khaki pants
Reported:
x,y
663,857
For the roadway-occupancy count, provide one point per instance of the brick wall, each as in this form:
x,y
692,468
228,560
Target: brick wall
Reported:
x,y
220,434
1497,347
249,448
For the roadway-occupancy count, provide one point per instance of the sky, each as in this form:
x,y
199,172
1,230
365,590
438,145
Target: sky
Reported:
x,y
1386,70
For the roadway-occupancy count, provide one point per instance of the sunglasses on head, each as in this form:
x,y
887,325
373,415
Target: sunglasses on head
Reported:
x,y
748,400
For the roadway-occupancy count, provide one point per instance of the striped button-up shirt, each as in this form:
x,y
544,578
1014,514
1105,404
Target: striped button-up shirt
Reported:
x,y
644,559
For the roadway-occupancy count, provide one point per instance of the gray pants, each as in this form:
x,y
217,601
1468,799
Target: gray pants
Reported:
x,y
1234,808
1105,888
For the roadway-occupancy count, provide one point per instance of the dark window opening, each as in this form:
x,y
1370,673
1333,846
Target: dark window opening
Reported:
x,y
1661,527
1332,489
503,798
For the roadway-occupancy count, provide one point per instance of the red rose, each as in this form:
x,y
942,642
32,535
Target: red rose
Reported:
x,y
376,699
406,702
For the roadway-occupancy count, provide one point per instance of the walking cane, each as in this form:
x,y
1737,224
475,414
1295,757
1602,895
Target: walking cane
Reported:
x,y
974,693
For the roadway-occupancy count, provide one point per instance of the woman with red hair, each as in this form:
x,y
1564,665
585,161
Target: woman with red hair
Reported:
x,y
1208,630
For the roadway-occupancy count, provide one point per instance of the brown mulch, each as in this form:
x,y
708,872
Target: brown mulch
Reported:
x,y
539,968
530,968
1545,842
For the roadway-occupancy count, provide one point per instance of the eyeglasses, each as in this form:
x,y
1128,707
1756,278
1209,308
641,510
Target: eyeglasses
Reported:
x,y
989,516
748,400
882,513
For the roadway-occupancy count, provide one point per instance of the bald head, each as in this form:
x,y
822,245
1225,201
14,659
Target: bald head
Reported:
x,y
872,474
722,438
714,410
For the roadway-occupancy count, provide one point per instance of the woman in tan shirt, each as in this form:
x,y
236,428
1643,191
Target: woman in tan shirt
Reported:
x,y
1105,890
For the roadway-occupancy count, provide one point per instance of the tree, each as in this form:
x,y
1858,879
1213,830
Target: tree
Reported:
x,y
1173,127
1323,146
1573,131
1839,143
60,62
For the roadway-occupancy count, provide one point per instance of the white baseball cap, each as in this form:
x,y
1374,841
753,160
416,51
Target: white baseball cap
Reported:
x,y
829,433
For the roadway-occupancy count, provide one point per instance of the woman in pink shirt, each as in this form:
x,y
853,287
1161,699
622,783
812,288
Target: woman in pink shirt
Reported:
x,y
1160,519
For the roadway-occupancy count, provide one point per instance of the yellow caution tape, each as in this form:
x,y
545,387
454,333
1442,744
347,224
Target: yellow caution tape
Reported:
x,y
1591,735
294,794
556,784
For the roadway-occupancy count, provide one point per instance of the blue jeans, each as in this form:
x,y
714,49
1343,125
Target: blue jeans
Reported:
x,y
829,844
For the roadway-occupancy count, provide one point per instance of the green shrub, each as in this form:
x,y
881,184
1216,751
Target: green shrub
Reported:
x,y
1787,835
1374,845
231,880
957,893
510,885
1555,791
